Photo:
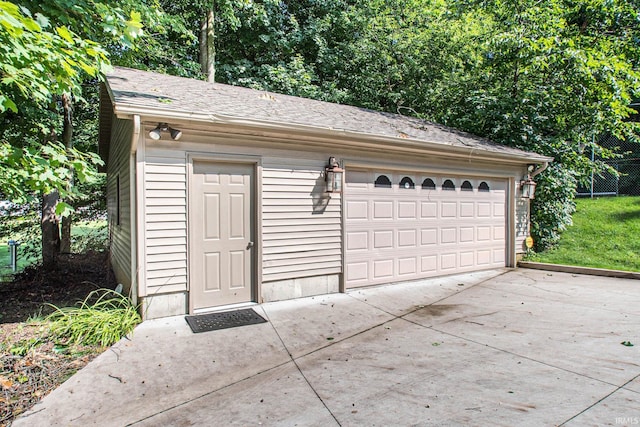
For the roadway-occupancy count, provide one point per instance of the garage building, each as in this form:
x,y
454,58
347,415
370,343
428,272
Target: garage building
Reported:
x,y
221,196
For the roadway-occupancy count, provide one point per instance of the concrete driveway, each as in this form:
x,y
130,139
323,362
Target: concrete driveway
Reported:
x,y
503,347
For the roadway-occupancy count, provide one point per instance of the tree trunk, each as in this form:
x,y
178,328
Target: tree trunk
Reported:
x,y
50,230
67,140
211,47
49,225
202,44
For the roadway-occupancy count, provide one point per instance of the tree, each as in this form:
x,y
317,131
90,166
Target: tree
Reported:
x,y
553,74
42,64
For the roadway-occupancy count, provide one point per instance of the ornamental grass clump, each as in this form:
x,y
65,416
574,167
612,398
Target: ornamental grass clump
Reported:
x,y
103,322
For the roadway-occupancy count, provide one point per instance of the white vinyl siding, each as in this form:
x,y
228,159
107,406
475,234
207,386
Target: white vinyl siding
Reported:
x,y
165,208
118,197
301,237
301,224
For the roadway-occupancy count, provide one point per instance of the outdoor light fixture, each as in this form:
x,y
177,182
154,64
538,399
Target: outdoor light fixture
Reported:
x,y
333,176
528,185
156,133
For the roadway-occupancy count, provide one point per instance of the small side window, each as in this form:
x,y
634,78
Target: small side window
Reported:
x,y
407,183
466,186
483,186
428,184
448,185
383,182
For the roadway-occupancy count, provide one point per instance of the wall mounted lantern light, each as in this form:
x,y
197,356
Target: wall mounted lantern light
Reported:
x,y
156,133
528,185
333,176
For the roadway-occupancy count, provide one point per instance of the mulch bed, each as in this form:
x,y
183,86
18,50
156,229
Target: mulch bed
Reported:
x,y
32,365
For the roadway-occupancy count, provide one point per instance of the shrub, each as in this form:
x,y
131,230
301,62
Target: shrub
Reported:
x,y
553,206
104,322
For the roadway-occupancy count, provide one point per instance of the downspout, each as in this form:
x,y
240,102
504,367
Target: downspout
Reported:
x,y
539,170
136,134
135,291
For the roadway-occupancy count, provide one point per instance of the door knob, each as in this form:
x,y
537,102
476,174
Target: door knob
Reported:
x,y
249,245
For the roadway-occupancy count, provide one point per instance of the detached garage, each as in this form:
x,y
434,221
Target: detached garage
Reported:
x,y
222,196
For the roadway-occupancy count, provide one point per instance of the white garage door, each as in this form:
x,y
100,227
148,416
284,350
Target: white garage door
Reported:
x,y
402,226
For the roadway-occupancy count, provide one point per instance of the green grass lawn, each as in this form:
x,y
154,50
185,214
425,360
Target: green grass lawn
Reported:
x,y
605,234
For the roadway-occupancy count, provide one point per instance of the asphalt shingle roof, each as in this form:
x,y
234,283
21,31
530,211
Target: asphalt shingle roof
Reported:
x,y
141,92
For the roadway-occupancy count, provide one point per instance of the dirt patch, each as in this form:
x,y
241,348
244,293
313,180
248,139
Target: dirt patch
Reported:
x,y
31,363
74,277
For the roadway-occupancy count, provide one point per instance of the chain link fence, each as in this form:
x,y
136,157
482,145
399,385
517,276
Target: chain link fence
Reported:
x,y
628,167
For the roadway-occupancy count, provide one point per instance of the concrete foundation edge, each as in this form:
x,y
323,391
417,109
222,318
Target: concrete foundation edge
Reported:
x,y
300,287
579,270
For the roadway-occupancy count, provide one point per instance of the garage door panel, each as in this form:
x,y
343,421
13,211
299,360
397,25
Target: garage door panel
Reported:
x,y
484,233
429,210
382,209
407,210
398,234
428,263
449,261
357,271
467,209
357,240
483,257
484,209
407,238
383,269
407,266
383,239
357,209
467,259
466,234
449,209
429,236
448,235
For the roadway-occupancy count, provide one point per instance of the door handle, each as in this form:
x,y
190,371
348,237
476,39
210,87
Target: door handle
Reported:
x,y
250,245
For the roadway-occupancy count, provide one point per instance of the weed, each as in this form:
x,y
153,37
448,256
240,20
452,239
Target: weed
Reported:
x,y
103,322
21,348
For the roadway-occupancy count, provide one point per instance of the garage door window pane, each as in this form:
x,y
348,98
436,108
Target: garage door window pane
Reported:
x,y
448,185
428,184
383,181
483,186
466,186
407,183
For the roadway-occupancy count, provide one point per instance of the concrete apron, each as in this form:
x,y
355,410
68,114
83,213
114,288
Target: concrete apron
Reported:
x,y
502,347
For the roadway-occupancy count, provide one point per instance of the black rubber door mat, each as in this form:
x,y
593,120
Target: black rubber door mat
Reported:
x,y
223,320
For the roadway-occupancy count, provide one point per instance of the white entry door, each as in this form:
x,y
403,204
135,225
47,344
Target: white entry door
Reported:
x,y
221,234
404,226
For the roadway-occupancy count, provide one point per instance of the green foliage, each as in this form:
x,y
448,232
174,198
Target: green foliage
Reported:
x,y
22,347
602,236
104,322
43,169
38,60
545,76
554,205
90,237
